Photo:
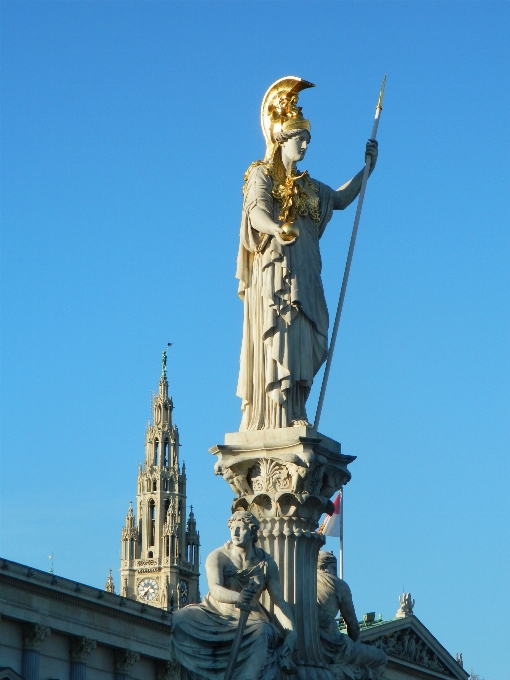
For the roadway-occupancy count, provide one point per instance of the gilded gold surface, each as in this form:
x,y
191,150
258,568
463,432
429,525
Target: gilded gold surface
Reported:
x,y
280,113
279,110
289,231
381,94
295,198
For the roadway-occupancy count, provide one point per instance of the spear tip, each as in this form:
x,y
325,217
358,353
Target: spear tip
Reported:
x,y
381,94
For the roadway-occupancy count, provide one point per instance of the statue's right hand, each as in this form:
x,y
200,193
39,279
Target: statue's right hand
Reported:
x,y
283,242
246,594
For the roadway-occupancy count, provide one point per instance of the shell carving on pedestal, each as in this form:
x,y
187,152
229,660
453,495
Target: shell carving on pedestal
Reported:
x,y
268,475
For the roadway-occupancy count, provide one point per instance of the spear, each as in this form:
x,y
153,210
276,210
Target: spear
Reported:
x,y
244,613
347,269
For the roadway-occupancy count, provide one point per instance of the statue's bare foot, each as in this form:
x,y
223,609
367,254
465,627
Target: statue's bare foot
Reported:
x,y
301,423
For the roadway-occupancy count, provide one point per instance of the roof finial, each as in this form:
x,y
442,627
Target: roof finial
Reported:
x,y
110,586
406,606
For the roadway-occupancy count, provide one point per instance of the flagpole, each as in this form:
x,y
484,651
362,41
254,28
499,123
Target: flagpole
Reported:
x,y
341,550
347,269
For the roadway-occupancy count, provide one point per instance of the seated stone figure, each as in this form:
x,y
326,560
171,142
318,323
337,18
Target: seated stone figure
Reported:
x,y
203,634
347,657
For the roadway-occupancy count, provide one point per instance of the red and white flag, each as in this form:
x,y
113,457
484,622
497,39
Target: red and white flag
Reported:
x,y
331,525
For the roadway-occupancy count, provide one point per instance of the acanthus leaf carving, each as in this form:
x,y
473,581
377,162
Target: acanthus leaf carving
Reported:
x,y
34,634
81,647
125,660
269,475
166,670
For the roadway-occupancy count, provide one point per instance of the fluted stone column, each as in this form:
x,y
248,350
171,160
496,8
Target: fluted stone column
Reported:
x,y
34,634
286,478
124,661
80,651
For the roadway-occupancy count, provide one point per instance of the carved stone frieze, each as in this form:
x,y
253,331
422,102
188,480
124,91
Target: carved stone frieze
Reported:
x,y
148,570
34,634
406,644
81,648
146,563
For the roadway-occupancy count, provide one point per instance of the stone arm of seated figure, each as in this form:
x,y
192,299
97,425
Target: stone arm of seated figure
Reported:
x,y
214,566
282,610
346,194
346,606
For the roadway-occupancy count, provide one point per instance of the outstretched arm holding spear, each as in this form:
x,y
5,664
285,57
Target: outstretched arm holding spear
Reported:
x,y
345,196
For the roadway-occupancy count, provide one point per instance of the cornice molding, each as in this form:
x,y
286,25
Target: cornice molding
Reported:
x,y
103,607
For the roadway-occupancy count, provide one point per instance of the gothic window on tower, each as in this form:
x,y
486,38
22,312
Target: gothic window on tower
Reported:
x,y
131,549
167,546
165,454
154,485
152,522
156,452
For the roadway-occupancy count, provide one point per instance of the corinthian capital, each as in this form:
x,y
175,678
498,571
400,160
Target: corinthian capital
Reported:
x,y
167,670
124,660
81,648
286,475
34,634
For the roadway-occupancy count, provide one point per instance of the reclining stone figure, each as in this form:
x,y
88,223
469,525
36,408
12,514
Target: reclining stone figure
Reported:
x,y
203,634
348,658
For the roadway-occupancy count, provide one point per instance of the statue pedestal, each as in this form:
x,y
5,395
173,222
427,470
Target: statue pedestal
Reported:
x,y
286,478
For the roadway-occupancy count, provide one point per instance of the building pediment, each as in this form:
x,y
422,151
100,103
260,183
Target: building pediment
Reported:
x,y
6,673
412,650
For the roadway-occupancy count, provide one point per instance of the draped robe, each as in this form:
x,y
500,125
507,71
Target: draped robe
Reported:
x,y
203,634
285,324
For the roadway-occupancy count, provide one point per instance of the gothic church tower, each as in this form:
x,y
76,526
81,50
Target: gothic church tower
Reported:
x,y
159,549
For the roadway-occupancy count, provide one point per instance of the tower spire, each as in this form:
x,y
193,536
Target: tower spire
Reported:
x,y
160,548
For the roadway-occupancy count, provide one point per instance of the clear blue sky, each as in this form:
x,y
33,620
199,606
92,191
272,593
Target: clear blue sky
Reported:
x,y
126,130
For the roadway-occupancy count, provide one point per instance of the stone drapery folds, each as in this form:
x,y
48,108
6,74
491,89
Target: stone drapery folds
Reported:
x,y
285,322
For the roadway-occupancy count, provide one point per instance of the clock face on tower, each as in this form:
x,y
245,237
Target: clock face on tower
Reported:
x,y
147,589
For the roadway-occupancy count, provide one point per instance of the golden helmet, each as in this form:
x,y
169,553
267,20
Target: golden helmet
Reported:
x,y
279,111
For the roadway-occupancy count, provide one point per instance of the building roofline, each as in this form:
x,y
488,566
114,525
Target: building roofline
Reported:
x,y
35,580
